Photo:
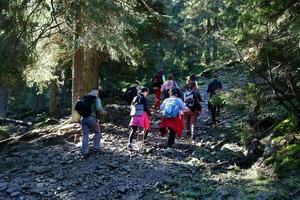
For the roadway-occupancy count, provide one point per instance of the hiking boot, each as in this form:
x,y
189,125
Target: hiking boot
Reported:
x,y
85,156
130,146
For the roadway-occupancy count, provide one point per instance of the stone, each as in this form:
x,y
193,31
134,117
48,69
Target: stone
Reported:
x,y
122,189
3,186
14,194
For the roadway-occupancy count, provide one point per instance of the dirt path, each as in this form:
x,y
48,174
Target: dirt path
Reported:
x,y
51,168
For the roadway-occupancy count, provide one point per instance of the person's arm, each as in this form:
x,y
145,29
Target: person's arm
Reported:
x,y
162,106
175,84
163,78
198,96
162,87
146,108
182,106
209,88
99,107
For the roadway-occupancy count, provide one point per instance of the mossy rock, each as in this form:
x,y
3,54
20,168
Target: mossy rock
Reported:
x,y
286,160
4,133
284,127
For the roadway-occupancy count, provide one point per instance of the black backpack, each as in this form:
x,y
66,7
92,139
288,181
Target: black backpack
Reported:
x,y
156,80
84,105
130,94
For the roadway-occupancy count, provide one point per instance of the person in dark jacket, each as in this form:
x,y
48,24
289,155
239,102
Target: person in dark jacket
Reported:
x,y
157,82
139,119
214,86
192,99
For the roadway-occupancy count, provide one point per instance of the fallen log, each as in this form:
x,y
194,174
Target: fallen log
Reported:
x,y
17,122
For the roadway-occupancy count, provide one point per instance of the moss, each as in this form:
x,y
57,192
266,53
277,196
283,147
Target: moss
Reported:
x,y
4,132
284,127
286,160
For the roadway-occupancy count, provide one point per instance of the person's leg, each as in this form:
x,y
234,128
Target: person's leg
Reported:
x,y
97,137
171,138
145,135
85,137
194,117
187,125
213,114
132,135
157,98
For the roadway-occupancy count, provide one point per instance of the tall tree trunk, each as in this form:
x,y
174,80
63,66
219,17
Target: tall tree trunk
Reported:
x,y
53,99
208,42
91,74
78,62
3,101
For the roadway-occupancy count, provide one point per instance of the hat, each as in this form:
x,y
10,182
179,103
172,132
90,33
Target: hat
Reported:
x,y
93,92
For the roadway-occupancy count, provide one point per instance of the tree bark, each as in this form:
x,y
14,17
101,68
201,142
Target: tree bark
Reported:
x,y
78,63
91,67
53,99
208,42
3,101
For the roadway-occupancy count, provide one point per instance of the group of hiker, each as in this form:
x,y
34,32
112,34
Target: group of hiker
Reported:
x,y
180,108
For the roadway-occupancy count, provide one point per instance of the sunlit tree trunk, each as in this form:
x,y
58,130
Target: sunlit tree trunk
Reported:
x,y
78,62
91,74
208,42
53,99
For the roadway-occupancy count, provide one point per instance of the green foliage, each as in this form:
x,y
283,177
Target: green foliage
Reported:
x,y
4,132
284,127
286,160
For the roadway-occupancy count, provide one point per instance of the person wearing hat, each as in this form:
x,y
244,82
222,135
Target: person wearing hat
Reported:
x,y
90,123
140,114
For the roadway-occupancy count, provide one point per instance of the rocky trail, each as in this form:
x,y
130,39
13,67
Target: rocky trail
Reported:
x,y
48,166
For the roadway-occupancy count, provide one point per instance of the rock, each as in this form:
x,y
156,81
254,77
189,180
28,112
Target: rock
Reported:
x,y
113,165
122,189
3,186
14,194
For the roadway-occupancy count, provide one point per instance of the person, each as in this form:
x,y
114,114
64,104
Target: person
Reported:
x,y
191,78
167,86
157,82
214,107
172,119
139,116
90,123
192,99
132,91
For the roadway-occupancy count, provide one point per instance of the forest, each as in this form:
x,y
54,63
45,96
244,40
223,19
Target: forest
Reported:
x,y
53,52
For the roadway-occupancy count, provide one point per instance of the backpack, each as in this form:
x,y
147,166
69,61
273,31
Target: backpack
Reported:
x,y
137,108
188,98
84,105
156,80
171,109
130,94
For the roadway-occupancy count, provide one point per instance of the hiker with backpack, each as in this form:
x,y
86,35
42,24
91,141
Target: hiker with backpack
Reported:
x,y
88,106
191,78
157,82
172,119
214,103
167,86
139,116
132,91
192,99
